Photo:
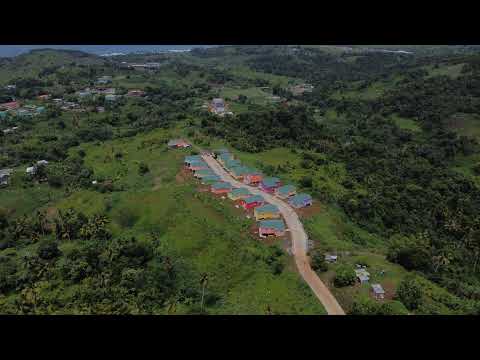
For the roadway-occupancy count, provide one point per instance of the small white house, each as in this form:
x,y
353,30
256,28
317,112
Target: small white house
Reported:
x,y
362,275
378,291
42,162
331,258
31,170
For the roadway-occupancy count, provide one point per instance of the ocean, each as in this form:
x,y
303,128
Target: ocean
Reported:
x,y
14,50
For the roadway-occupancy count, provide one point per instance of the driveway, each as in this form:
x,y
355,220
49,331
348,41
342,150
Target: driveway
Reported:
x,y
298,235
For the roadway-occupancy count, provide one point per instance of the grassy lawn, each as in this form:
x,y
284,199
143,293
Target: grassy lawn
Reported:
x,y
407,124
452,71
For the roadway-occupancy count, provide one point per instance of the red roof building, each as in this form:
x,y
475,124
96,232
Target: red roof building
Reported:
x,y
12,105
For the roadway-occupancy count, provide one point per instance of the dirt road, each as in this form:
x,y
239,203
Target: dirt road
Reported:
x,y
298,235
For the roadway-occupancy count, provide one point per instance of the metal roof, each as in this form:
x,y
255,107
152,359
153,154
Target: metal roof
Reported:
x,y
378,289
267,208
254,198
273,224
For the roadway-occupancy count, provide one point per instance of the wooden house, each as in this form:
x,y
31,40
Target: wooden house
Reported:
x,y
300,200
285,191
251,202
221,187
275,227
253,177
267,211
269,184
238,194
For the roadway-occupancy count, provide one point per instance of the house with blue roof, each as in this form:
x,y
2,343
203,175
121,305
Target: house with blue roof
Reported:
x,y
267,211
238,194
285,191
221,187
251,202
210,179
275,227
300,200
203,172
269,184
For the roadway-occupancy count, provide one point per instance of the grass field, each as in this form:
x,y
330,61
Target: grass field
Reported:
x,y
452,71
204,231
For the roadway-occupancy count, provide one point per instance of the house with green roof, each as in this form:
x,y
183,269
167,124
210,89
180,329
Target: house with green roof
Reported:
x,y
267,211
238,194
275,227
285,191
220,151
223,158
300,200
232,163
221,187
238,172
191,158
203,172
198,165
210,179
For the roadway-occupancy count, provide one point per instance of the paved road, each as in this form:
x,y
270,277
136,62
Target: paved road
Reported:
x,y
298,235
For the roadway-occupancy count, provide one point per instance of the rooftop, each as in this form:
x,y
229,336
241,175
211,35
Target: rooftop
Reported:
x,y
276,224
221,185
286,189
240,191
378,289
254,198
267,208
270,181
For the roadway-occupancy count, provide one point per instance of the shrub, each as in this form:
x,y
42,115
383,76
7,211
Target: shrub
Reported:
x,y
410,293
318,262
306,182
344,276
143,168
126,217
48,250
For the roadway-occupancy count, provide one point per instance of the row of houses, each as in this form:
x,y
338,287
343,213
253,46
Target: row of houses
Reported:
x,y
268,215
253,177
14,108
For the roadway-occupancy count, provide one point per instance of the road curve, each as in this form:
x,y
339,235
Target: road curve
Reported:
x,y
298,235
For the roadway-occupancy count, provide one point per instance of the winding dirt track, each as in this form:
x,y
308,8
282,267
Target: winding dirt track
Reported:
x,y
299,239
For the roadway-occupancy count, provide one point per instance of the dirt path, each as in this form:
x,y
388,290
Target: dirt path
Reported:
x,y
299,239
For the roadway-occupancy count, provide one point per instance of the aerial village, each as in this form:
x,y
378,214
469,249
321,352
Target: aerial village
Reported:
x,y
268,217
18,110
269,222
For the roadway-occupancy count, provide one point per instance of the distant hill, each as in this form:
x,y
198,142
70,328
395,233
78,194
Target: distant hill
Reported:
x,y
31,63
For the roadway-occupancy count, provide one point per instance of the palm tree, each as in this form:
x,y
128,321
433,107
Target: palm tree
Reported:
x,y
203,282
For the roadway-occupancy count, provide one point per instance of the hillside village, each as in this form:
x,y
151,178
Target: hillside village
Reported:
x,y
185,166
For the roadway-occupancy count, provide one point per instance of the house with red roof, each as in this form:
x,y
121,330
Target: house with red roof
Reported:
x,y
12,105
252,202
